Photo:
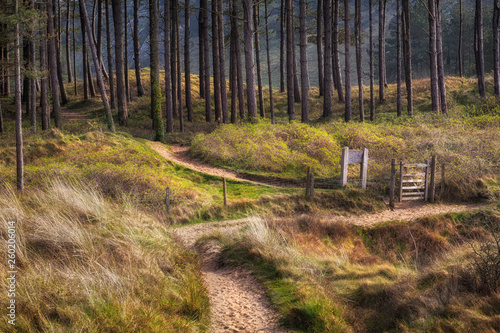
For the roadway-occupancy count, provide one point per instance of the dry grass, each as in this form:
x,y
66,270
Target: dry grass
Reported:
x,y
86,264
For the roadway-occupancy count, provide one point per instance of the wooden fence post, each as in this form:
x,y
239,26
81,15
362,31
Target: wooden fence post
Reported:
x,y
432,189
311,185
364,168
426,190
308,182
441,189
167,200
224,190
343,166
401,166
393,183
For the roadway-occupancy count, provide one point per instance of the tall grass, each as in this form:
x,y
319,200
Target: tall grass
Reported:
x,y
87,264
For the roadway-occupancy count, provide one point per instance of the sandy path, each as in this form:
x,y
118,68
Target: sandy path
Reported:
x,y
179,155
237,302
405,211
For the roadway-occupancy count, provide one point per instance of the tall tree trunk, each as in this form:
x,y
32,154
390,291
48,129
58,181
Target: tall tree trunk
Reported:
x,y
478,47
178,76
98,68
496,47
54,82
110,57
187,60
407,55
337,74
222,57
433,55
154,54
440,64
304,72
381,50
74,48
460,62
44,101
233,83
33,79
216,61
359,67
201,52
99,39
89,75
239,71
319,45
282,45
125,21
19,111
399,106
249,62
173,56
271,102
372,72
68,51
62,88
328,83
168,70
296,86
347,44
256,23
84,60
137,50
289,61
120,80
206,65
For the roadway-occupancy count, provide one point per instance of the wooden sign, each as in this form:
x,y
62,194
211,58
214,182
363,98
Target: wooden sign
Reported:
x,y
354,157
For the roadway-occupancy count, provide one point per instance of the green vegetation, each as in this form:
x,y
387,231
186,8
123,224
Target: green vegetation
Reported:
x,y
397,276
88,264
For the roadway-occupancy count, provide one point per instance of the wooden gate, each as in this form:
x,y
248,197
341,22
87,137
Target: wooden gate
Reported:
x,y
414,181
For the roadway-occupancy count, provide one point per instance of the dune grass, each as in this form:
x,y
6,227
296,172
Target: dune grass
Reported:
x,y
87,264
396,276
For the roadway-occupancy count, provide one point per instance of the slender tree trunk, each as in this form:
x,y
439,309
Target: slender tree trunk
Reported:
x,y
18,102
178,76
125,20
359,66
137,50
233,83
328,83
98,68
460,62
173,56
89,75
296,86
440,64
496,47
201,52
216,61
68,51
44,101
120,80
433,55
319,46
74,49
347,44
222,57
256,23
33,79
54,82
381,50
372,72
289,61
304,72
399,104
99,39
271,102
478,47
62,88
249,62
282,45
154,54
239,71
407,54
168,70
110,57
337,74
187,60
206,65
